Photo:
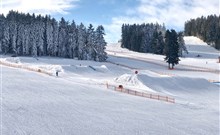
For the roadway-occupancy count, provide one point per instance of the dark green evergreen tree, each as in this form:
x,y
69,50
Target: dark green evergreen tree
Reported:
x,y
171,48
147,38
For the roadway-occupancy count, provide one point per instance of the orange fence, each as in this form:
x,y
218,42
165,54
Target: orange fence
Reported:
x,y
141,94
24,67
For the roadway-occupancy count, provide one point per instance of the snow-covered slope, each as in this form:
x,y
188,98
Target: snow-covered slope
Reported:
x,y
78,102
200,49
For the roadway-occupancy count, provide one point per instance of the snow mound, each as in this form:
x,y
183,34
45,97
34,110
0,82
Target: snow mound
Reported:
x,y
193,41
102,68
166,85
50,68
128,79
132,81
90,68
13,60
173,85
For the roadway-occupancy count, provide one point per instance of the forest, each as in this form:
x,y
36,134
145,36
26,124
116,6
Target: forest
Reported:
x,y
206,28
148,38
30,35
154,38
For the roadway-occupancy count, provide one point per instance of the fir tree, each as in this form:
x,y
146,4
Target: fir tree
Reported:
x,y
171,48
25,34
100,54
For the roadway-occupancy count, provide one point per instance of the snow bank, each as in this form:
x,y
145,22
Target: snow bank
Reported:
x,y
193,40
132,81
51,68
128,79
102,68
48,69
13,60
165,85
174,85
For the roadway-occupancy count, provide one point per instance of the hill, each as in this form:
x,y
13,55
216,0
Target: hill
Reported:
x,y
78,102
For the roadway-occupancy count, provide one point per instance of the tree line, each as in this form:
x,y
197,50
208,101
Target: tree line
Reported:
x,y
206,28
30,35
154,38
147,38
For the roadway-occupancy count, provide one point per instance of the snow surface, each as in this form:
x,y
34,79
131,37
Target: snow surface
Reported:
x,y
78,102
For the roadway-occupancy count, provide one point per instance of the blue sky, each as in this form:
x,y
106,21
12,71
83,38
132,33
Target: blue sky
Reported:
x,y
113,13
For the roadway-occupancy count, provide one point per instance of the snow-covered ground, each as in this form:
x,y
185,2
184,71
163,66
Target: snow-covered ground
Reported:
x,y
78,102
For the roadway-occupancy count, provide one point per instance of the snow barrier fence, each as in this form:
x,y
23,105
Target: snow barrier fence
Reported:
x,y
15,65
141,94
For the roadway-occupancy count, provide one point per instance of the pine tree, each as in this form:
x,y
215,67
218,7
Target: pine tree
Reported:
x,y
33,38
154,43
40,29
25,34
81,42
181,43
62,38
171,48
49,46
91,54
11,17
160,47
100,54
55,32
72,40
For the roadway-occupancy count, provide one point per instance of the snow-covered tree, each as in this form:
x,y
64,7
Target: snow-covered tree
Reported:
x,y
55,37
48,36
99,48
25,34
72,40
11,18
90,46
181,43
62,38
81,42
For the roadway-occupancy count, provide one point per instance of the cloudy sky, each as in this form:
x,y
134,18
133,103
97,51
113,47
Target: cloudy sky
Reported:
x,y
113,13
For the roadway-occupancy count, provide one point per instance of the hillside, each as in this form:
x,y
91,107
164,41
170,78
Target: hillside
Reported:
x,y
78,101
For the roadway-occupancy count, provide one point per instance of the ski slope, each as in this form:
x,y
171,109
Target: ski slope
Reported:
x,y
78,102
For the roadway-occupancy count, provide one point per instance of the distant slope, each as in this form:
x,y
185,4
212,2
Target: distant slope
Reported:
x,y
200,49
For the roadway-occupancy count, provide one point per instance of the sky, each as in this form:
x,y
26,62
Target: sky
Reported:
x,y
113,13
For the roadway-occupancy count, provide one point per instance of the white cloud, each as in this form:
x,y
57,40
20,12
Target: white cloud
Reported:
x,y
38,6
173,13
